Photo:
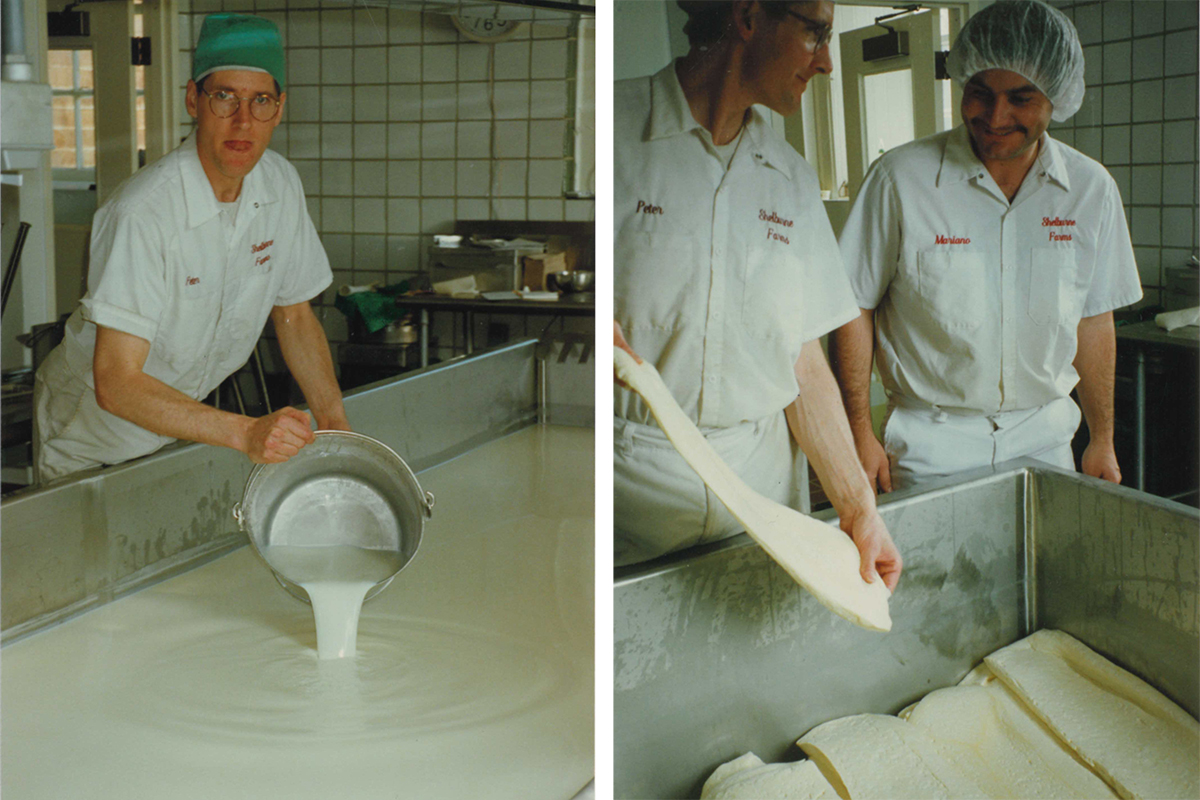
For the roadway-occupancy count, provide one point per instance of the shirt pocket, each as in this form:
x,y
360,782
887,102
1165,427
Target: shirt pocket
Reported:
x,y
659,280
952,285
1051,285
772,292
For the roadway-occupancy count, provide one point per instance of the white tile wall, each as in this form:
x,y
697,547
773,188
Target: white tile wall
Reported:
x,y
1139,120
337,177
398,127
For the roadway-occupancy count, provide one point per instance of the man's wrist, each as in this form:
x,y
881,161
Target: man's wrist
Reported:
x,y
860,504
239,433
1102,437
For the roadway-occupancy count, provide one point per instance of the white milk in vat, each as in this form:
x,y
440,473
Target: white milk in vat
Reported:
x,y
337,578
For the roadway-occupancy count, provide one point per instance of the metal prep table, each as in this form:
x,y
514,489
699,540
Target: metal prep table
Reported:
x,y
148,654
563,307
1158,409
719,652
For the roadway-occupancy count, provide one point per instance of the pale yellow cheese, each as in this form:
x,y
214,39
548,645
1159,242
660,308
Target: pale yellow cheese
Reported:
x,y
877,756
819,557
1140,742
989,735
748,777
1043,718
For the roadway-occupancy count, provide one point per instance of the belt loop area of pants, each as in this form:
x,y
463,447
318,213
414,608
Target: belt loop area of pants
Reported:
x,y
623,440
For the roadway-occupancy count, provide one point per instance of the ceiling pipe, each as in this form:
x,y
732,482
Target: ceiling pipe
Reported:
x,y
16,66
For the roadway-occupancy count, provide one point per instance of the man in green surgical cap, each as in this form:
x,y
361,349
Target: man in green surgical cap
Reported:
x,y
189,258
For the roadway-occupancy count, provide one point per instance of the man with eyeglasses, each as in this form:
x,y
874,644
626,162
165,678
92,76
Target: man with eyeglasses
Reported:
x,y
726,276
987,262
189,258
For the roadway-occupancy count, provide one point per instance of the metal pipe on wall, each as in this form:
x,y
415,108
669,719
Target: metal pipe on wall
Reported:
x,y
16,66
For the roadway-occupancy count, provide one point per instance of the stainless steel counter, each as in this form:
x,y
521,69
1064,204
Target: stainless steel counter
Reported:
x,y
718,652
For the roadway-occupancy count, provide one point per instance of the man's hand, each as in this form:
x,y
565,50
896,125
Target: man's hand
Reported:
x,y
877,553
1100,461
875,462
277,437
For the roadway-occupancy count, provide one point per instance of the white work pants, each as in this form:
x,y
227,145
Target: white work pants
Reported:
x,y
926,443
659,502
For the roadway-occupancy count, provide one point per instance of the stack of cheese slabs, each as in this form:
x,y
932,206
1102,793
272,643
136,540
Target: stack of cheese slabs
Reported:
x,y
1042,718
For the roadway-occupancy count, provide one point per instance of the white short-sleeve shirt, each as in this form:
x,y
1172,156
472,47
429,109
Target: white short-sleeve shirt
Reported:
x,y
720,276
165,268
977,300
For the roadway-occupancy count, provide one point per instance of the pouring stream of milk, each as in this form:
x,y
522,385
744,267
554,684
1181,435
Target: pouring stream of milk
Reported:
x,y
337,578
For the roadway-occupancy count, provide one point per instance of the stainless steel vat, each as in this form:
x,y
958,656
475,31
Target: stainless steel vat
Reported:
x,y
718,652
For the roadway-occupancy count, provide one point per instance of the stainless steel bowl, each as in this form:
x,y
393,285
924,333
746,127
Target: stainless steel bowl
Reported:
x,y
343,489
581,281
559,281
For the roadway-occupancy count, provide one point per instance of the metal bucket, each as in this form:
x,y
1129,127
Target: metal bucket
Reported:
x,y
343,489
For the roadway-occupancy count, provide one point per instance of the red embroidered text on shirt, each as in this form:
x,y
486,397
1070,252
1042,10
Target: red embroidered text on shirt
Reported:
x,y
192,281
940,239
647,208
774,219
1047,222
254,248
766,216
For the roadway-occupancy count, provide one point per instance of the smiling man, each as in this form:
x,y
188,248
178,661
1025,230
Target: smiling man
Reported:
x,y
189,258
987,262
726,275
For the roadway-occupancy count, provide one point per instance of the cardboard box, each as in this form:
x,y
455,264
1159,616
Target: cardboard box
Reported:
x,y
539,265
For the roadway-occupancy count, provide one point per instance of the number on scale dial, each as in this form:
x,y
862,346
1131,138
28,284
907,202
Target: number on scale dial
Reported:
x,y
485,29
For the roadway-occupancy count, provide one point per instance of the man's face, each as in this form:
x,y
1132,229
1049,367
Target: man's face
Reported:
x,y
231,147
780,60
1005,114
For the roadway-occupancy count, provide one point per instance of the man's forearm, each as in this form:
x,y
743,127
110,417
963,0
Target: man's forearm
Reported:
x,y
1095,361
151,404
306,352
818,422
851,350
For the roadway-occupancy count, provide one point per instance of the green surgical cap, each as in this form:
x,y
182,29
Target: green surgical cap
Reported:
x,y
238,41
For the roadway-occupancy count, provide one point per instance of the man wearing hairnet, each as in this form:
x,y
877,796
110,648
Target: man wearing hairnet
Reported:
x,y
726,276
987,262
189,258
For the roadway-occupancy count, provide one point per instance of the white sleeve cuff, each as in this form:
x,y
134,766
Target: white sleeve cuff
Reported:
x,y
119,319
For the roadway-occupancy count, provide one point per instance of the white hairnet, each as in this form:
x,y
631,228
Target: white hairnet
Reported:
x,y
1027,37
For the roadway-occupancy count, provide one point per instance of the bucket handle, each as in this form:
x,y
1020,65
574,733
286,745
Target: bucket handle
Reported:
x,y
237,514
428,508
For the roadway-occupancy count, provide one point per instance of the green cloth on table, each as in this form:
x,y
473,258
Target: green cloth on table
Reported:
x,y
377,309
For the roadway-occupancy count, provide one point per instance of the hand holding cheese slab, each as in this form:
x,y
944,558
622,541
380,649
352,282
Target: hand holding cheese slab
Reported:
x,y
820,557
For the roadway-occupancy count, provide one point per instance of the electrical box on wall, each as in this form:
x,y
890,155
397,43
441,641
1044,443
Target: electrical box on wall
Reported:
x,y
889,45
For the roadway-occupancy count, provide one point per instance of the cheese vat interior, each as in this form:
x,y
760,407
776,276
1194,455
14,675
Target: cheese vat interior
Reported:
x,y
718,651
475,674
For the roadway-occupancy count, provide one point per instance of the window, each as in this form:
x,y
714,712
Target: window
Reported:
x,y
72,83
140,84
886,95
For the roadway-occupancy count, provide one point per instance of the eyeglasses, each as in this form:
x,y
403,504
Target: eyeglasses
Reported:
x,y
819,33
263,107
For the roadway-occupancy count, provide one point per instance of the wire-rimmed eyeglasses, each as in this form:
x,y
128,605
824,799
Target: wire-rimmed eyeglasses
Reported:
x,y
819,33
263,107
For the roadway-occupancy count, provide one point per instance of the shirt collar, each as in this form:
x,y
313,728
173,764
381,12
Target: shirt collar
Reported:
x,y
1050,163
670,115
201,201
959,162
669,111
